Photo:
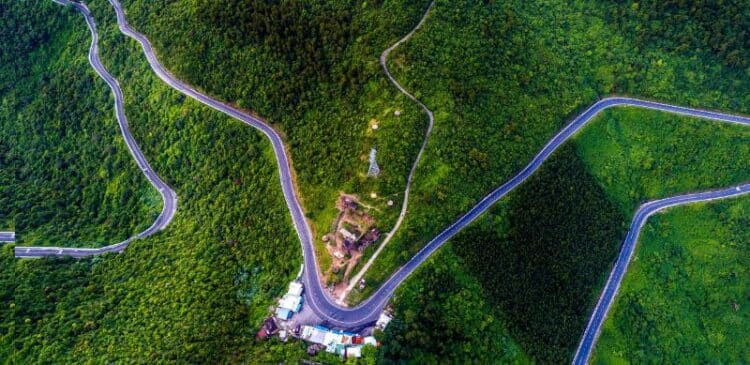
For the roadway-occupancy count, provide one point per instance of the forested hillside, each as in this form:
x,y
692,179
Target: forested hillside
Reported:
x,y
685,296
503,77
194,293
717,28
66,176
311,69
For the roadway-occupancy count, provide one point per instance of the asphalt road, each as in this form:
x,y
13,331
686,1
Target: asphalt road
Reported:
x,y
360,314
367,312
168,196
593,328
7,236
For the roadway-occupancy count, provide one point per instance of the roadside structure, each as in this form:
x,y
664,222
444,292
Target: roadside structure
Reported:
x,y
337,342
268,329
291,302
383,321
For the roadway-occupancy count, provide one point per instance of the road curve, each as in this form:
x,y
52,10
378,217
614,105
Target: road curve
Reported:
x,y
593,328
168,196
315,296
367,312
381,296
383,62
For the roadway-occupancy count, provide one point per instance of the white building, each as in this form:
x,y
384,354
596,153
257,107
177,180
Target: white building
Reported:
x,y
295,288
291,302
337,342
383,320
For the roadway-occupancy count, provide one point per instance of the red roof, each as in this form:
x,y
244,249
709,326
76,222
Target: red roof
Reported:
x,y
356,340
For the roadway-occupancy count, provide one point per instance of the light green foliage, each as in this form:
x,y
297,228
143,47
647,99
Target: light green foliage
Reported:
x,y
66,176
685,296
310,69
637,155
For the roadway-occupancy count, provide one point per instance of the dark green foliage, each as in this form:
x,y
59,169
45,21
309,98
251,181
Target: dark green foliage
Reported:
x,y
443,317
719,28
541,255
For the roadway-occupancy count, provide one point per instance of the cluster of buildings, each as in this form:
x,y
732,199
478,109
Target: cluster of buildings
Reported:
x,y
352,222
291,302
341,343
337,342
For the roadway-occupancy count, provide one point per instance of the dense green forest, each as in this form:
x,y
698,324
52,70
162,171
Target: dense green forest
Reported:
x,y
194,293
67,178
540,254
718,28
685,299
503,77
639,155
444,316
311,69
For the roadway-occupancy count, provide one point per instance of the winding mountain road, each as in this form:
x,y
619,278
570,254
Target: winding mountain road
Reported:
x,y
368,311
168,196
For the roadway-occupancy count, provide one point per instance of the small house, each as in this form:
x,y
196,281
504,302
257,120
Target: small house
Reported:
x,y
291,302
295,288
383,320
283,314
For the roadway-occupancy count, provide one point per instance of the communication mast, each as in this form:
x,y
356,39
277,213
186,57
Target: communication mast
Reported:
x,y
374,170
